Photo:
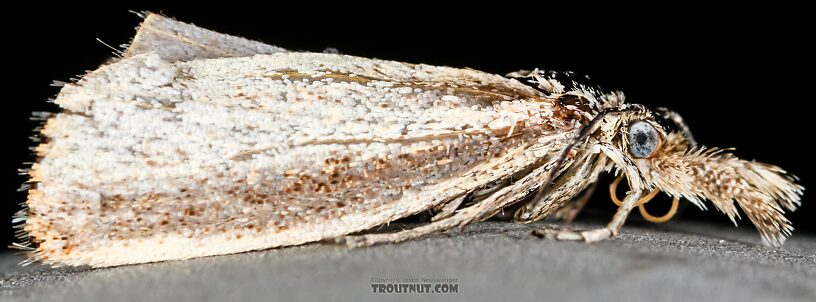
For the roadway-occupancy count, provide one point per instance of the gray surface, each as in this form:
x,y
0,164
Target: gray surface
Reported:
x,y
493,261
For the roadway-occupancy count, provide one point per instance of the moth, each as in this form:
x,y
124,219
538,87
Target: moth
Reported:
x,y
196,143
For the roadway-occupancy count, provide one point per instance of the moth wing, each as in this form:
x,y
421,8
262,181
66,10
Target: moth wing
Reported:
x,y
175,41
154,160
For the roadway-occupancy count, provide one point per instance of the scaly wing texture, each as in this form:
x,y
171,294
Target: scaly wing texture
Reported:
x,y
178,41
153,160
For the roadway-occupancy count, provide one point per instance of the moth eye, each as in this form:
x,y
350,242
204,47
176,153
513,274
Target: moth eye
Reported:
x,y
643,139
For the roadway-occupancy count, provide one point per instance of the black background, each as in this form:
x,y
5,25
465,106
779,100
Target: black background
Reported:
x,y
741,76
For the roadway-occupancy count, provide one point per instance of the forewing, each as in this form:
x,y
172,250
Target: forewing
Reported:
x,y
154,160
173,41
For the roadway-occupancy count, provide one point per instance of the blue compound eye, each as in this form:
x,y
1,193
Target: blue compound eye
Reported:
x,y
643,139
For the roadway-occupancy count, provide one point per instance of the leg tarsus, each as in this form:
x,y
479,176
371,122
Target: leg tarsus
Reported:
x,y
461,217
569,235
597,235
404,235
601,234
589,236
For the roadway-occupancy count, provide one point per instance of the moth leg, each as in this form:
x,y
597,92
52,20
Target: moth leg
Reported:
x,y
449,208
483,209
611,230
405,235
479,211
569,211
570,184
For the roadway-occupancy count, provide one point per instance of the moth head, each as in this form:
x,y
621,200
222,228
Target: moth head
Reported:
x,y
656,151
